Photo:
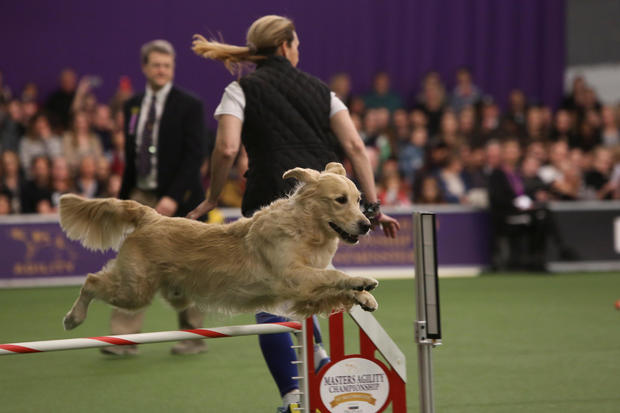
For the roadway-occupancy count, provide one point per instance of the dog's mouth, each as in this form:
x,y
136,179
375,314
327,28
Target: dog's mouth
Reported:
x,y
350,238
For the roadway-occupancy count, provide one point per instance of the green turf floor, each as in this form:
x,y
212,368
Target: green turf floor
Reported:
x,y
512,343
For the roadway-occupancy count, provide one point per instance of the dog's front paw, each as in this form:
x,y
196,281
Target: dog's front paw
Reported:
x,y
363,283
366,301
70,321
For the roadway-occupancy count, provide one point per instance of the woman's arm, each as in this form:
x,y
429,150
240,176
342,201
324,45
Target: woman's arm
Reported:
x,y
354,148
227,143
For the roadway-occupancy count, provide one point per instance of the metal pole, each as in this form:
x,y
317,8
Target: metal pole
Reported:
x,y
425,268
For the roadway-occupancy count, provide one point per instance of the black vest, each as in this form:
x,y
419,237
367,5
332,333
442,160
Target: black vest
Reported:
x,y
286,125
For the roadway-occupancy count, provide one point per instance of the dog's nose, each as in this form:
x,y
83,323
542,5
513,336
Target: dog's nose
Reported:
x,y
363,226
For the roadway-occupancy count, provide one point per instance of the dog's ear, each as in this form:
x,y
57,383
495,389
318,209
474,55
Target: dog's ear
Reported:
x,y
335,168
302,174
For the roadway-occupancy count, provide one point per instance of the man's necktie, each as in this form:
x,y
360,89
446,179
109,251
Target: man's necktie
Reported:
x,y
146,143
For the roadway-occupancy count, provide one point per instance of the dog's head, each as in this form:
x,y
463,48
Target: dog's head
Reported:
x,y
332,199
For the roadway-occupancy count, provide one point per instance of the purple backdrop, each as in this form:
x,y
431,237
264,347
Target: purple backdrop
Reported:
x,y
510,43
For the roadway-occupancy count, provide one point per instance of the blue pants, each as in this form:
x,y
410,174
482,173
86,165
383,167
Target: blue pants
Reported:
x,y
278,353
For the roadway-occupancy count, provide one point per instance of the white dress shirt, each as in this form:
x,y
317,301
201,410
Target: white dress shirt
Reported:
x,y
150,182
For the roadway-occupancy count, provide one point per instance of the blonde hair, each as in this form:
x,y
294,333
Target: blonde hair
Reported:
x,y
264,37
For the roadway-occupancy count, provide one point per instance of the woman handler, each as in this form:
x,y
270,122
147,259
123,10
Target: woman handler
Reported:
x,y
285,118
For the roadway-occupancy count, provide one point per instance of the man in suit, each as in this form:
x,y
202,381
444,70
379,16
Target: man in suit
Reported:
x,y
164,128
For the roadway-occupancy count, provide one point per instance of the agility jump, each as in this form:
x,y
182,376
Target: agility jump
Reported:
x,y
146,338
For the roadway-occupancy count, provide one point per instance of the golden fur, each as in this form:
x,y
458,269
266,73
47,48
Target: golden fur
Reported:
x,y
276,260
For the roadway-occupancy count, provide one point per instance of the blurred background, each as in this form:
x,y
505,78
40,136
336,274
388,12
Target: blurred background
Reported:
x,y
443,93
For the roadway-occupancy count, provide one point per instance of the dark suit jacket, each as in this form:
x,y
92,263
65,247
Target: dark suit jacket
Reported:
x,y
179,149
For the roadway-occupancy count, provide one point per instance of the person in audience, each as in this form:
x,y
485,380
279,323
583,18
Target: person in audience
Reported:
x,y
426,190
589,133
11,126
515,219
12,180
451,180
563,128
30,92
103,126
39,140
37,193
86,183
598,179
340,84
418,118
400,126
80,141
513,122
610,129
490,121
411,154
534,126
5,202
467,126
392,191
116,156
59,103
449,131
433,106
62,181
381,95
465,92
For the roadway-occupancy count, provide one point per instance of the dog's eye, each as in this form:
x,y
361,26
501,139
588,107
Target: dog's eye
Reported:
x,y
341,199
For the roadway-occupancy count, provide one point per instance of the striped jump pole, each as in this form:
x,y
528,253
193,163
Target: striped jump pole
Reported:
x,y
145,338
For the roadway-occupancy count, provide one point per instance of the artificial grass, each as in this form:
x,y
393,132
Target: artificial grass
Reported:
x,y
512,343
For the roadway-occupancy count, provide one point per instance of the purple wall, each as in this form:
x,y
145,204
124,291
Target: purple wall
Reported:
x,y
511,43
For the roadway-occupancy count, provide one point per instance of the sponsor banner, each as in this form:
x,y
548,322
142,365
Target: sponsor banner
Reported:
x,y
40,250
354,385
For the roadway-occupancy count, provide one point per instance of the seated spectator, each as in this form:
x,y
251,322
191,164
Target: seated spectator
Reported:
x,y
513,122
11,127
579,87
411,154
59,103
103,126
80,141
418,118
426,190
535,126
86,183
465,92
610,129
62,182
489,121
30,92
392,190
357,106
400,125
37,193
598,179
538,150
12,180
558,153
449,131
113,186
381,95
563,127
374,131
514,217
38,141
492,156
467,126
116,156
340,84
5,202
451,180
589,133
433,106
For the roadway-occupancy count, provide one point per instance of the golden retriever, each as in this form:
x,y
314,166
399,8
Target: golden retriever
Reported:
x,y
275,261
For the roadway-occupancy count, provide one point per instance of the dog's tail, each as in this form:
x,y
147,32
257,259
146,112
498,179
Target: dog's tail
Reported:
x,y
101,224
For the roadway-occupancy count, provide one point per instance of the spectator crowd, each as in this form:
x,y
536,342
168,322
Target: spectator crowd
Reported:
x,y
439,146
